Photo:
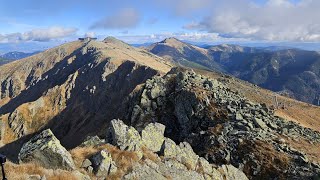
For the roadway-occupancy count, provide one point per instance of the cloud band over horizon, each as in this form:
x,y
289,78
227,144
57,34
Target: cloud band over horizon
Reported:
x,y
40,35
205,20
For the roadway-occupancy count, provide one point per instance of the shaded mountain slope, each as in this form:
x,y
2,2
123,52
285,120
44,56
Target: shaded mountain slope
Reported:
x,y
72,88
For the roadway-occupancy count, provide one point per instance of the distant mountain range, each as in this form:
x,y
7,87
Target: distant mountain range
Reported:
x,y
17,55
4,61
293,72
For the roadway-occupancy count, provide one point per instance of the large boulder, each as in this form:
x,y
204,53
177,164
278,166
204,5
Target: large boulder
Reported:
x,y
153,136
46,150
125,137
183,153
169,148
103,164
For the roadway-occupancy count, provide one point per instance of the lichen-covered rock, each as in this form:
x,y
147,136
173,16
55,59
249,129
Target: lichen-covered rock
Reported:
x,y
169,148
230,172
149,170
86,163
78,175
153,136
103,164
92,141
187,156
259,123
34,177
46,150
123,136
204,165
144,172
183,153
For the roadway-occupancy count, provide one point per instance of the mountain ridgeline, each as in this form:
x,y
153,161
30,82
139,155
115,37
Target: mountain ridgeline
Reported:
x,y
292,72
91,110
15,55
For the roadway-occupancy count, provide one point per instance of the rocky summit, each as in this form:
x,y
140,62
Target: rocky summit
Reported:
x,y
106,110
223,126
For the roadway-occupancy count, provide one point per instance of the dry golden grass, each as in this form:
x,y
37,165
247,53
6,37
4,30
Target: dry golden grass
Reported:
x,y
22,172
124,159
147,154
312,150
274,163
9,135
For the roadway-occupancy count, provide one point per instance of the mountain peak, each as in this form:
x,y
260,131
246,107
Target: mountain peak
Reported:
x,y
171,40
111,39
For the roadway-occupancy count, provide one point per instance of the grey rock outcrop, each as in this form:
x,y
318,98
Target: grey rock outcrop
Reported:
x,y
150,171
178,162
86,163
183,153
216,121
92,141
46,150
123,136
16,123
103,165
153,136
230,172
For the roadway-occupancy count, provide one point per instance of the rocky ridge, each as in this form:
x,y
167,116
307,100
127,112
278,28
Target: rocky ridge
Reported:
x,y
171,161
222,126
174,125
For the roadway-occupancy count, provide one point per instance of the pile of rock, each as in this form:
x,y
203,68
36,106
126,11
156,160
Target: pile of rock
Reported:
x,y
216,120
177,162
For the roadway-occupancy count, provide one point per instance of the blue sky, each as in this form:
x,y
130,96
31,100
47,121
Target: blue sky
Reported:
x,y
51,22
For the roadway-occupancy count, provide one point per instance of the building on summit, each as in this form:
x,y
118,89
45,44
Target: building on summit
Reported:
x,y
87,39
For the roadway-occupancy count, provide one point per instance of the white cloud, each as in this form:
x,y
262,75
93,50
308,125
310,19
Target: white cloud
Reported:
x,y
275,20
193,36
38,35
90,34
125,18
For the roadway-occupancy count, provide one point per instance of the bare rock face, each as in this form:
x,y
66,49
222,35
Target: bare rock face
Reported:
x,y
123,136
46,150
179,161
230,172
92,141
183,153
103,165
16,123
153,136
